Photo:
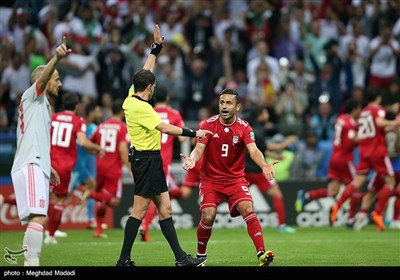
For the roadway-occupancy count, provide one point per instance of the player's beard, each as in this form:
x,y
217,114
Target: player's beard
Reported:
x,y
228,118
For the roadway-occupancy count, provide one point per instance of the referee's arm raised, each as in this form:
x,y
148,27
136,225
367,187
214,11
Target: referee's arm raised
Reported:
x,y
156,48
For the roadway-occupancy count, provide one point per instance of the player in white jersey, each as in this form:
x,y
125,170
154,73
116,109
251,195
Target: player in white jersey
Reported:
x,y
31,170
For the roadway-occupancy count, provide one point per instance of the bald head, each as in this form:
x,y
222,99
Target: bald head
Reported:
x,y
37,72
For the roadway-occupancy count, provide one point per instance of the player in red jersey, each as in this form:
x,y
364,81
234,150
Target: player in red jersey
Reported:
x,y
112,136
341,164
373,156
66,129
191,180
222,173
171,116
377,181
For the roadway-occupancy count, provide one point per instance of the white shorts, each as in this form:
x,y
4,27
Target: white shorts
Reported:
x,y
31,188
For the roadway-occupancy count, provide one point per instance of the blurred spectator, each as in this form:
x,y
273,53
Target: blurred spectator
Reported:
x,y
385,51
257,20
14,80
307,157
139,23
3,119
80,74
176,87
198,32
34,57
326,85
364,12
330,25
323,121
48,19
355,69
396,29
19,26
331,73
314,44
391,95
113,73
261,54
66,11
355,37
304,81
106,106
289,109
284,45
86,30
171,26
198,89
263,87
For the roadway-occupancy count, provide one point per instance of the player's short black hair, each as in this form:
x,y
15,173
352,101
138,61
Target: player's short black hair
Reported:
x,y
232,92
160,94
350,105
142,79
90,107
390,115
69,101
373,93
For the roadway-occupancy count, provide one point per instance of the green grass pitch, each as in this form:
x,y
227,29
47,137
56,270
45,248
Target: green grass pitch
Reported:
x,y
317,247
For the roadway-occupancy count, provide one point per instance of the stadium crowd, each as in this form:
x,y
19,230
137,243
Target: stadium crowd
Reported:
x,y
299,59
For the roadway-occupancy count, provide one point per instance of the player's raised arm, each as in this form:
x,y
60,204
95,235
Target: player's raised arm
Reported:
x,y
61,52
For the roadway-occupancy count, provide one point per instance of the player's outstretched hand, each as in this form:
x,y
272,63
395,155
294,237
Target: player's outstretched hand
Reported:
x,y
201,134
269,171
62,50
188,163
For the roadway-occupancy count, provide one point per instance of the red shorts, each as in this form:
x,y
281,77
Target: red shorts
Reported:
x,y
260,181
341,171
111,185
380,164
62,189
212,194
378,181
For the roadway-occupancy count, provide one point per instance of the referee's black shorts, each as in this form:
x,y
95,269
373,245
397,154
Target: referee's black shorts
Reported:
x,y
147,170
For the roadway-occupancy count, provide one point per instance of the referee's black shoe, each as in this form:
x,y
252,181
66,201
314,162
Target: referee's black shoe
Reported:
x,y
190,261
126,262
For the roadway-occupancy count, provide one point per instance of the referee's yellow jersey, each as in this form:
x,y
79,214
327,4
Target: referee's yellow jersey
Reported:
x,y
141,120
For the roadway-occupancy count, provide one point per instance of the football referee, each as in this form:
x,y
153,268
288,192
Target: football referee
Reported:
x,y
144,129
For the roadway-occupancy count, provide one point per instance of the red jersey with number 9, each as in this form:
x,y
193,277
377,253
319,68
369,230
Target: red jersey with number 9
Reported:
x,y
223,158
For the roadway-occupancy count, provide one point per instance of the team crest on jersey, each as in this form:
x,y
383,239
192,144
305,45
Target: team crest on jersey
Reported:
x,y
41,203
235,139
252,136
